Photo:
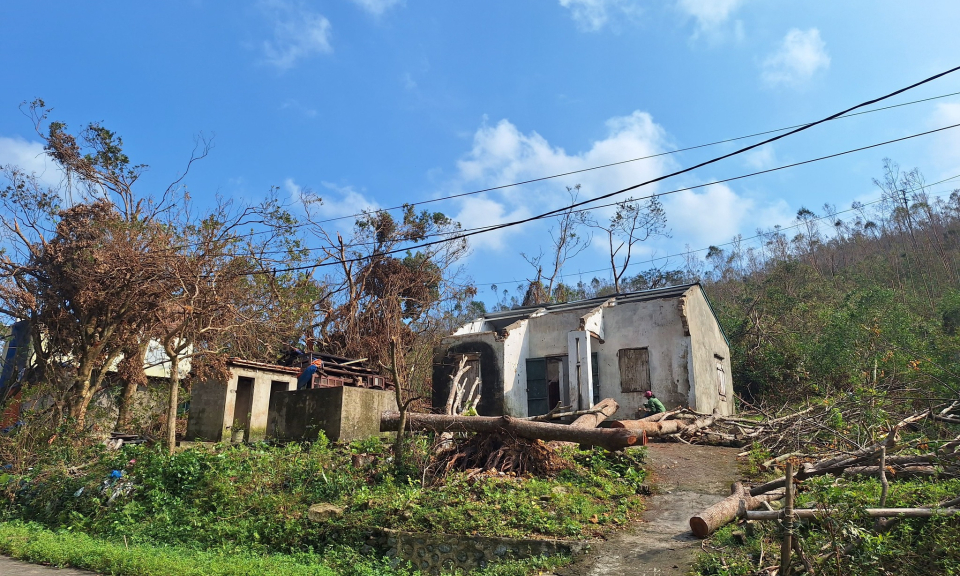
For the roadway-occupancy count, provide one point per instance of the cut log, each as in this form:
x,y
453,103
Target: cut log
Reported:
x,y
603,410
653,429
661,416
609,438
698,425
727,510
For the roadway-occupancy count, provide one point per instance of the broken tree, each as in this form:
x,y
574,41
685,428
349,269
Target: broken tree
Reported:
x,y
609,438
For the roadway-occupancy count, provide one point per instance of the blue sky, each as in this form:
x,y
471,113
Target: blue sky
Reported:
x,y
371,103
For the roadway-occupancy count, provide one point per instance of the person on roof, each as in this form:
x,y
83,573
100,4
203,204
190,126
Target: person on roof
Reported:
x,y
305,379
653,404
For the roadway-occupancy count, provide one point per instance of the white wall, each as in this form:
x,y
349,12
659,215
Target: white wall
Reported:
x,y
516,350
709,342
654,324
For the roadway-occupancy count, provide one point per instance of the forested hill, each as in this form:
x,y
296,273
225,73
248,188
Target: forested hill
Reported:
x,y
863,303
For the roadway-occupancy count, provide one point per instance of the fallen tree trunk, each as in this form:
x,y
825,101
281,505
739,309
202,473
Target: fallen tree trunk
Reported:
x,y
602,410
807,513
660,416
651,428
654,429
609,438
726,510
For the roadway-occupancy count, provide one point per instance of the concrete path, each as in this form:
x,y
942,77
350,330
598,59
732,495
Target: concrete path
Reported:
x,y
11,567
686,480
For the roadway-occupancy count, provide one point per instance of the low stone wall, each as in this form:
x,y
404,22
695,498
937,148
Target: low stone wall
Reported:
x,y
435,552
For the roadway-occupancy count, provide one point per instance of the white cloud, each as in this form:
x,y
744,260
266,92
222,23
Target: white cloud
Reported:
x,y
502,154
947,144
295,106
29,157
377,7
800,56
481,211
298,33
592,15
761,158
340,201
710,14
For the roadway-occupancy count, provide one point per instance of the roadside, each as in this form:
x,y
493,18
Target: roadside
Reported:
x,y
686,479
11,567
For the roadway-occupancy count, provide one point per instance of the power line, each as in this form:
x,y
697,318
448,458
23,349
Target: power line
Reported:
x,y
682,171
618,163
460,236
685,252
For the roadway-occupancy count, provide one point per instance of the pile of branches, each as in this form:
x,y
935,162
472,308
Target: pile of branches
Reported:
x,y
888,459
498,452
833,427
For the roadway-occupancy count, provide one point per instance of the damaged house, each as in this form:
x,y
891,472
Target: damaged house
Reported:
x,y
256,401
525,361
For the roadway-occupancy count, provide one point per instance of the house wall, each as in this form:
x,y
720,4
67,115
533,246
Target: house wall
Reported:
x,y
709,342
516,350
682,367
343,413
654,324
213,404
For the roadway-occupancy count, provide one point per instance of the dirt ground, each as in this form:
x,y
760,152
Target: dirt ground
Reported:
x,y
686,479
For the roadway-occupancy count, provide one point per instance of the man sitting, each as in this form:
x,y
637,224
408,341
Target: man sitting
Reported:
x,y
653,404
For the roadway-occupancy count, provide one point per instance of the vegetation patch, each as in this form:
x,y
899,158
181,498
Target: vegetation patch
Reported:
x,y
253,500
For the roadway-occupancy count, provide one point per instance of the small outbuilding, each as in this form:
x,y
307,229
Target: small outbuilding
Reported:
x,y
526,360
257,401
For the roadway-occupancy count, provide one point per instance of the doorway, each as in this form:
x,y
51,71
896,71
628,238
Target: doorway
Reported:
x,y
243,406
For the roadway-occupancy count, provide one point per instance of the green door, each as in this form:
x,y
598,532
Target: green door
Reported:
x,y
537,399
595,373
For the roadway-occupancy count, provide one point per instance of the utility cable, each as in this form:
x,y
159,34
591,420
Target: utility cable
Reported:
x,y
459,236
684,171
760,235
620,162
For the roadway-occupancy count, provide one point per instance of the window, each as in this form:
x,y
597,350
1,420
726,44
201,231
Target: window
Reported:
x,y
634,369
721,378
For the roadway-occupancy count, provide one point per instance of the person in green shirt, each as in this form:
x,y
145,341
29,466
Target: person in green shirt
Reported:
x,y
653,404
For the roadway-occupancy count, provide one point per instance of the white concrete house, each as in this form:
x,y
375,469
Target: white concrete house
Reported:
x,y
528,359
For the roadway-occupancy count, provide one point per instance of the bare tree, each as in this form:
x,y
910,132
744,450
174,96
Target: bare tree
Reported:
x,y
372,297
566,243
633,222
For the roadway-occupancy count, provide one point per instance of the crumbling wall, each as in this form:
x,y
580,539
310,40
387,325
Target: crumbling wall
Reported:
x,y
432,553
491,370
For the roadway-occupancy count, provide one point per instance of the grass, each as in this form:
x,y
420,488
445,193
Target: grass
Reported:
x,y
34,543
245,507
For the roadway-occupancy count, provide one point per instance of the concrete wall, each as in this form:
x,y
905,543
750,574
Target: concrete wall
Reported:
x,y
344,414
516,350
654,324
708,344
435,553
206,418
213,405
